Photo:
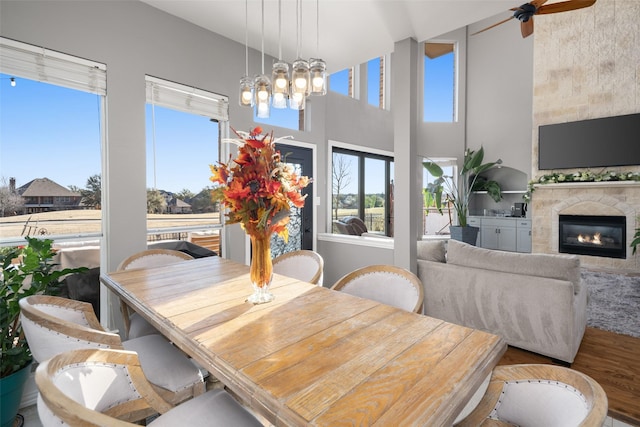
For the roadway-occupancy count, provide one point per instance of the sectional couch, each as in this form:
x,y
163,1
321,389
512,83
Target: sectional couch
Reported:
x,y
534,301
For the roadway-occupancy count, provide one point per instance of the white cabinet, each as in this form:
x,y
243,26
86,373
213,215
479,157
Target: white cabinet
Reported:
x,y
523,238
499,233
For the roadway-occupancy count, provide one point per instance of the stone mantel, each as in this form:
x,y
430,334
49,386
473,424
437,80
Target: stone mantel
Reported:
x,y
587,184
548,201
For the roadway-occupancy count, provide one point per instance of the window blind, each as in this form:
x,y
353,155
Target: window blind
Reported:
x,y
188,99
44,65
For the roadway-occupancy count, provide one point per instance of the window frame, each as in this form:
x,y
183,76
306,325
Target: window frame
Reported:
x,y
362,153
187,99
40,64
456,81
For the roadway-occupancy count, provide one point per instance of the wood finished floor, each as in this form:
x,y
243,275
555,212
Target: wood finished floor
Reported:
x,y
612,360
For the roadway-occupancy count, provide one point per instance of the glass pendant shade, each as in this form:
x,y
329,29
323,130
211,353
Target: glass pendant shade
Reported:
x,y
297,101
300,82
318,74
280,79
262,88
246,92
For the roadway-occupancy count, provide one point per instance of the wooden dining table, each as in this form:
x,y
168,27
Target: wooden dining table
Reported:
x,y
313,356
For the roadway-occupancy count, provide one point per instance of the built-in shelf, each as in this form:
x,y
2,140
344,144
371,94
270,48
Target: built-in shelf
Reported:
x,y
588,184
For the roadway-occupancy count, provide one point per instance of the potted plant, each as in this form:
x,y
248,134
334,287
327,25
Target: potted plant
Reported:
x,y
26,270
459,192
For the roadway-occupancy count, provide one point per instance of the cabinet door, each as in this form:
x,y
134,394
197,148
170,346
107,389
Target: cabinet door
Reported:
x,y
524,240
507,238
489,236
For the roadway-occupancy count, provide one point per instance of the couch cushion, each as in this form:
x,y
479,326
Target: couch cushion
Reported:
x,y
553,266
432,250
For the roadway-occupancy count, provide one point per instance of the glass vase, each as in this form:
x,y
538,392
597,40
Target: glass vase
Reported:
x,y
261,270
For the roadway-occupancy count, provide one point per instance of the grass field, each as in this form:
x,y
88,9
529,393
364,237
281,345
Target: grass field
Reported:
x,y
89,221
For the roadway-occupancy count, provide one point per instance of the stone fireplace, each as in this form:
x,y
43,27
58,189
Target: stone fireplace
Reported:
x,y
602,199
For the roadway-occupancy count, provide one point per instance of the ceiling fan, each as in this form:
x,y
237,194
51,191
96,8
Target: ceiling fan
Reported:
x,y
525,13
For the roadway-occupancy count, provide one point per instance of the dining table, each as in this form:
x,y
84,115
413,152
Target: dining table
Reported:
x,y
312,356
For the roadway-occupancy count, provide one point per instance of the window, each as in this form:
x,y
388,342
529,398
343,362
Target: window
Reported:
x,y
439,83
362,186
434,222
283,117
342,82
375,82
51,128
183,133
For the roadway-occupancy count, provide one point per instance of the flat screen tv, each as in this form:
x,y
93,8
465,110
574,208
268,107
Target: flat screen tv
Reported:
x,y
609,141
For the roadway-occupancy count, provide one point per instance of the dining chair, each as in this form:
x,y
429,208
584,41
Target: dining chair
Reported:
x,y
53,325
100,387
305,265
136,326
539,395
387,284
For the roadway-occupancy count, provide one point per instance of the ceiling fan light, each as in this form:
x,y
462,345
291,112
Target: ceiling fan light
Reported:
x,y
318,75
246,92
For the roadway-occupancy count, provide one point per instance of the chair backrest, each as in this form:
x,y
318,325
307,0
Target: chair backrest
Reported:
x,y
356,224
302,264
540,396
53,325
153,258
94,387
387,284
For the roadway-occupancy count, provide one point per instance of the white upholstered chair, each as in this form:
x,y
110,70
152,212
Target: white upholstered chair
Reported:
x,y
136,326
53,325
304,265
387,284
99,387
539,396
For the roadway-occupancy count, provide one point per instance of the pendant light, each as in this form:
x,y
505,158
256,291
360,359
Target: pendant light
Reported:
x,y
246,83
299,71
280,71
317,67
262,85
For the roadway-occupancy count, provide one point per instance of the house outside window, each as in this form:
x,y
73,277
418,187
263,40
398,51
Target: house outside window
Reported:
x,y
181,121
439,96
376,78
362,187
52,132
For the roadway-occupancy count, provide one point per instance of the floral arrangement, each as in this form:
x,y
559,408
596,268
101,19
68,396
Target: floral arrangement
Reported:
x,y
257,187
585,176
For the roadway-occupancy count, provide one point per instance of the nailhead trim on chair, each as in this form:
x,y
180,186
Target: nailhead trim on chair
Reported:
x,y
493,414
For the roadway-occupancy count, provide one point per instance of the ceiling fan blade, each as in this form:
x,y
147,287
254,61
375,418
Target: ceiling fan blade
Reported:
x,y
564,6
493,26
526,28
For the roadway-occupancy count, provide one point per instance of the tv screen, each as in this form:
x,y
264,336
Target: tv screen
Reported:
x,y
609,141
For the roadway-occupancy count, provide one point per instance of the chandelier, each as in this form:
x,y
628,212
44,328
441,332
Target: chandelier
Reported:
x,y
284,89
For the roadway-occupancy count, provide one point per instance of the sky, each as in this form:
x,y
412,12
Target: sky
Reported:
x,y
54,132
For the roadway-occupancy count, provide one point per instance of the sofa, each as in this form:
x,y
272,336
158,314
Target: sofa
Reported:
x,y
536,302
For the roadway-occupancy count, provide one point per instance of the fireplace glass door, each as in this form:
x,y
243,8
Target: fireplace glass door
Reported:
x,y
594,235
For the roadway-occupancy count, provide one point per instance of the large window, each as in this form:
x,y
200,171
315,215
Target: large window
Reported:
x,y
439,82
342,82
376,82
51,133
183,136
362,186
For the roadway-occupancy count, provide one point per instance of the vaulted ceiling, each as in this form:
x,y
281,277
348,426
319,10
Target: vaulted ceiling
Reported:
x,y
350,31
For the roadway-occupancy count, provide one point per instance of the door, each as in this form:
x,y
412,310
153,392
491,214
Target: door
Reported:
x,y
300,220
